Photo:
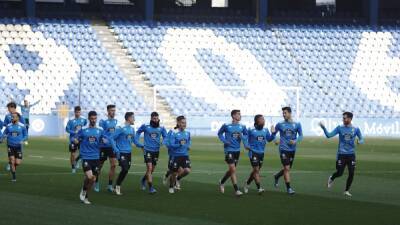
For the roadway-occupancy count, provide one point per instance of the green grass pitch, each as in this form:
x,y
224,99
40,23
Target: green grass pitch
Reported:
x,y
47,193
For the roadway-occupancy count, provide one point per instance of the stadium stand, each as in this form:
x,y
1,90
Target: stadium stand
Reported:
x,y
321,59
55,54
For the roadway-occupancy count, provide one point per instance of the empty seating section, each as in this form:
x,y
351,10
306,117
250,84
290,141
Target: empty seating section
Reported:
x,y
56,54
323,60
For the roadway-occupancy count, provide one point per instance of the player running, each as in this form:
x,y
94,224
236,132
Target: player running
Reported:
x,y
106,150
346,149
73,127
122,140
89,140
257,140
291,134
178,142
12,108
231,135
16,135
151,148
25,111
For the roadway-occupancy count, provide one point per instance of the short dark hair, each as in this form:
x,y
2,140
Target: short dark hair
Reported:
x,y
287,108
257,117
179,118
77,108
153,114
128,114
233,112
110,107
348,114
12,105
16,113
92,113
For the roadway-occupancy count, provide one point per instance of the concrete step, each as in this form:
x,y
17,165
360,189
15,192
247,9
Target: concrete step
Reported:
x,y
131,70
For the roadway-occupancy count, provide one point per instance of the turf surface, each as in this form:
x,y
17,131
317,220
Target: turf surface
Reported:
x,y
47,193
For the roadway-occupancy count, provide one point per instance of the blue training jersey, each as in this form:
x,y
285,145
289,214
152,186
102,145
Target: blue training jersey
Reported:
x,y
347,137
289,130
178,142
123,138
16,134
257,139
108,126
8,119
26,110
74,126
1,128
231,135
152,137
89,139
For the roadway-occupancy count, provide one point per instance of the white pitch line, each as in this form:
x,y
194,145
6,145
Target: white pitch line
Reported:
x,y
36,156
59,158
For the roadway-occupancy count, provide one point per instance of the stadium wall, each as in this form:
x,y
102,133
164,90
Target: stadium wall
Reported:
x,y
208,126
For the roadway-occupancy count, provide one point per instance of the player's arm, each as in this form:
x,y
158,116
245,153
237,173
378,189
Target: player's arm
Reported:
x,y
84,122
188,143
114,137
68,128
329,134
24,134
137,136
78,137
163,135
270,136
299,133
360,137
221,133
246,139
33,104
275,132
171,141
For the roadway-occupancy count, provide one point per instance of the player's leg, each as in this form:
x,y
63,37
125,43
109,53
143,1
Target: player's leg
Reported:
x,y
125,164
173,167
103,159
185,169
287,162
91,170
351,166
149,167
147,176
253,162
229,159
72,151
11,159
111,174
77,156
168,173
340,166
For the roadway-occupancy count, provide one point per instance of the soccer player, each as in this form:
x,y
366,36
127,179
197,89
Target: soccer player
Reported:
x,y
25,111
346,149
151,148
12,108
179,142
89,140
106,150
255,144
291,134
73,127
231,135
122,140
16,134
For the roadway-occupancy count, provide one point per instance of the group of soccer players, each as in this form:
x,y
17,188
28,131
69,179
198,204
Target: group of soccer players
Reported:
x,y
16,133
290,132
97,144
